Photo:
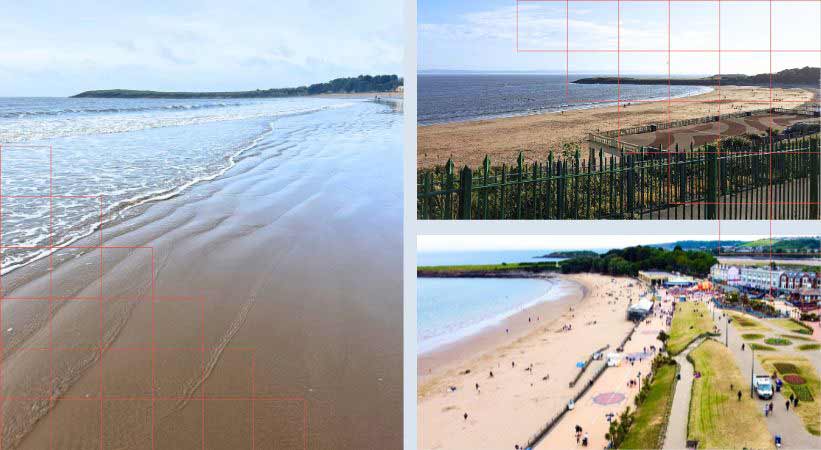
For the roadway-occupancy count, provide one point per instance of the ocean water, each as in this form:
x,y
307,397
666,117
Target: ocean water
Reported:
x,y
462,97
449,258
450,309
99,158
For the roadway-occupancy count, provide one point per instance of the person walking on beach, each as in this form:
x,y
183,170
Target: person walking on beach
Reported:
x,y
739,395
466,416
742,346
787,405
766,411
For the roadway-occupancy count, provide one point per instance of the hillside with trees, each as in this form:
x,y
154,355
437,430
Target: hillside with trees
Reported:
x,y
631,260
360,84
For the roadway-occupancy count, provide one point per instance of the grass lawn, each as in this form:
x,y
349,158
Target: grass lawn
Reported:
x,y
791,326
651,417
766,348
743,322
809,347
689,320
778,341
752,336
717,418
796,337
809,404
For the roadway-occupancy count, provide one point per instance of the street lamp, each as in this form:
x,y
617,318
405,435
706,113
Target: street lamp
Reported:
x,y
752,363
726,331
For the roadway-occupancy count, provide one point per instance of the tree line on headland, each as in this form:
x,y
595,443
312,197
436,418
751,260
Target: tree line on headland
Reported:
x,y
630,260
805,76
627,261
362,83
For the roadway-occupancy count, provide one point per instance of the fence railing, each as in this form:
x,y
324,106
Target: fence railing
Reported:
x,y
756,182
809,109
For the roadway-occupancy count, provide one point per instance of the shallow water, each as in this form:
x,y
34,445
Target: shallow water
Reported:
x,y
449,309
107,155
295,252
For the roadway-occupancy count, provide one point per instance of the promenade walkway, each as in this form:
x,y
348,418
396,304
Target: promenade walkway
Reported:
x,y
787,424
676,437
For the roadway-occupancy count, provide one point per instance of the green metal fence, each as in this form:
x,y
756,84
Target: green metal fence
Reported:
x,y
759,182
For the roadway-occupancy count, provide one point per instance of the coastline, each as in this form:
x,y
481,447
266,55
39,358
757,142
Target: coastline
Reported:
x,y
535,135
492,334
228,311
583,106
518,400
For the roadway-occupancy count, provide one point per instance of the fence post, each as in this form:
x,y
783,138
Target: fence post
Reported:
x,y
712,181
519,183
465,187
631,186
548,183
815,168
449,186
486,169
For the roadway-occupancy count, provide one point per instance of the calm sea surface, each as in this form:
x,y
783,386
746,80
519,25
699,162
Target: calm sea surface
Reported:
x,y
464,97
449,309
113,154
481,257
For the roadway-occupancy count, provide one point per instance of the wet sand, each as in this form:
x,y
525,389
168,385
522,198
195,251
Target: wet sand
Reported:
x,y
434,363
512,405
536,135
278,281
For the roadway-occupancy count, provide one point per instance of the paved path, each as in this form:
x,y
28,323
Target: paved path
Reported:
x,y
676,437
787,424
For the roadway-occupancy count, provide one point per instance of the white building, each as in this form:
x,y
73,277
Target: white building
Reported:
x,y
762,278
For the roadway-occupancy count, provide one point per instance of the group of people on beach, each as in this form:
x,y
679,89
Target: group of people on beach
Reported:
x,y
582,437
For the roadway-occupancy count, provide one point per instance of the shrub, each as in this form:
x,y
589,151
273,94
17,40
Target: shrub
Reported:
x,y
785,368
761,347
778,341
802,392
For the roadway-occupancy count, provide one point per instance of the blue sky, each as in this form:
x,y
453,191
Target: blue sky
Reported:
x,y
58,48
481,35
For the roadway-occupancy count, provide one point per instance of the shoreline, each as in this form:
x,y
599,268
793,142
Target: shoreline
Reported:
x,y
536,135
203,290
531,370
433,361
582,106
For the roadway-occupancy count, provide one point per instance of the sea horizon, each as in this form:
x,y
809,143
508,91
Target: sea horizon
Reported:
x,y
470,96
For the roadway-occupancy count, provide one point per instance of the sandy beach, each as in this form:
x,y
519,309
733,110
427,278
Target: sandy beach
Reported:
x,y
531,371
535,135
263,307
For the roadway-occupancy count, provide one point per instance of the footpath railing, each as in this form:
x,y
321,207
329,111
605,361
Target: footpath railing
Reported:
x,y
610,138
555,419
586,365
744,310
589,384
757,182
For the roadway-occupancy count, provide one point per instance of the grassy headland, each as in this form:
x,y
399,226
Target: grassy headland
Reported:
x,y
806,76
360,84
628,261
